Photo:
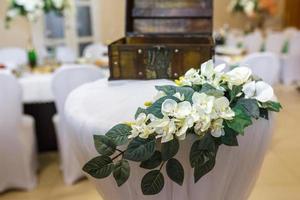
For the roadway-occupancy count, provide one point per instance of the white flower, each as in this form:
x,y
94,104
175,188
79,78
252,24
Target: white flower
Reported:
x,y
178,110
207,69
237,76
203,103
179,96
217,128
191,77
12,13
202,124
165,128
58,3
260,91
249,8
222,109
140,128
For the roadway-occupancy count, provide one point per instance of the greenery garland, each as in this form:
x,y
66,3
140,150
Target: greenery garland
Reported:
x,y
212,106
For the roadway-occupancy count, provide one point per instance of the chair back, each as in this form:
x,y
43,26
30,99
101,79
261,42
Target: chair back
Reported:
x,y
69,77
12,57
253,42
265,65
10,111
294,45
275,42
65,55
95,51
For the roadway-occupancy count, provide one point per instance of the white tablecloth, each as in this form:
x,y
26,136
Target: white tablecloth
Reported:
x,y
95,107
37,88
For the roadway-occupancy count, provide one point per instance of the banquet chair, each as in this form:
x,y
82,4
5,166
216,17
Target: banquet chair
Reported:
x,y
95,51
18,152
234,38
253,42
291,62
275,42
265,65
66,79
64,54
13,57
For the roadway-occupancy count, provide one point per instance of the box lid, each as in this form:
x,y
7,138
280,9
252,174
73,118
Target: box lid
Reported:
x,y
169,17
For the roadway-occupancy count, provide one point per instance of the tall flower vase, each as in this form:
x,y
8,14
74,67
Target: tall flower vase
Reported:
x,y
31,51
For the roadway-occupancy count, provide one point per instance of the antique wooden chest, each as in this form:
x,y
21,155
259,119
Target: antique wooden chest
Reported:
x,y
164,38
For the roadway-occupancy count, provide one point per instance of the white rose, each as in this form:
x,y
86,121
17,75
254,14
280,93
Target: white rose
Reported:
x,y
237,76
260,91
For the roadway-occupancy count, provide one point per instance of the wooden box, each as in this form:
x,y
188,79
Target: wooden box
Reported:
x,y
164,38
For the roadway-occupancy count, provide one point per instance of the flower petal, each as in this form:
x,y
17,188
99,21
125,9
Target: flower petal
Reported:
x,y
264,92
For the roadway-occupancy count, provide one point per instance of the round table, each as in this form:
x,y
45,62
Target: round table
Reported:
x,y
95,107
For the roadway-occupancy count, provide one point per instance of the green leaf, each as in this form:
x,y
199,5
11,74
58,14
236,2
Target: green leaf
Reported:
x,y
211,90
235,91
170,90
152,183
121,172
250,106
155,108
99,167
230,137
264,113
175,171
140,149
272,106
169,149
152,162
201,149
119,134
139,111
240,121
201,170
104,145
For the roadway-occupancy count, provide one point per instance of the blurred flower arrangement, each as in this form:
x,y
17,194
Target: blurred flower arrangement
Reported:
x,y
207,104
32,10
257,10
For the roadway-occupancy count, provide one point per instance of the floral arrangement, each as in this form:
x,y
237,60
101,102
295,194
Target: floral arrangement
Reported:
x,y
33,9
209,105
252,8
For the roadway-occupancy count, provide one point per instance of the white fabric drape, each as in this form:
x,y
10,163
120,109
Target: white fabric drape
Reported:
x,y
94,108
18,161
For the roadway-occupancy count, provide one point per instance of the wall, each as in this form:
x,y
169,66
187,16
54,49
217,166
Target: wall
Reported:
x,y
112,22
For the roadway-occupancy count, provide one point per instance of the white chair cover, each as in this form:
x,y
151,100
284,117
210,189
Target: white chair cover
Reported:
x,y
18,154
65,55
13,57
291,62
275,42
67,78
95,51
94,108
253,42
264,65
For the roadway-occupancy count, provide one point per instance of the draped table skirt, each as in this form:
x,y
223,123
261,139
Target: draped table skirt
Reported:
x,y
96,107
